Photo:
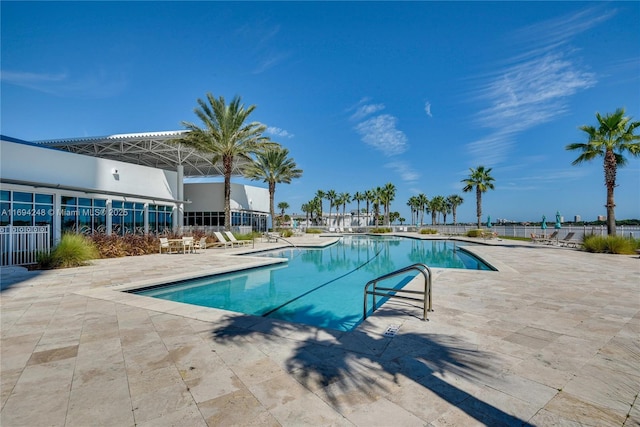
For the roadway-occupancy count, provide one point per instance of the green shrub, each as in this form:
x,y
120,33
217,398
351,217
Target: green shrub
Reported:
x,y
379,230
313,231
428,231
73,250
475,233
610,244
286,232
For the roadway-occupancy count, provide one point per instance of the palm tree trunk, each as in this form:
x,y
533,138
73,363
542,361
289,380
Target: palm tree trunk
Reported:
x,y
272,193
610,169
479,206
227,162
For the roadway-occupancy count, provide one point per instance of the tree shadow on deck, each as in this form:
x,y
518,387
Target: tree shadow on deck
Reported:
x,y
338,365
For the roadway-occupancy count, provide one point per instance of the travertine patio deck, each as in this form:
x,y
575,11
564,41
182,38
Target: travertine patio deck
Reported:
x,y
550,339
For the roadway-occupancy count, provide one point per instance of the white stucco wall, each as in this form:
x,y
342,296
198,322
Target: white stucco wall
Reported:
x,y
209,197
38,164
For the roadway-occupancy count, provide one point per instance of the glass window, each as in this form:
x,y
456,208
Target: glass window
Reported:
x,y
68,200
22,197
84,202
5,195
5,214
99,203
44,198
22,214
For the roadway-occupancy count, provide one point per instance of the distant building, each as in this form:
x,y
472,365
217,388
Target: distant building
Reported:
x,y
602,218
577,218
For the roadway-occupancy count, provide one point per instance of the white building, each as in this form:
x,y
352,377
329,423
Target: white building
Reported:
x,y
131,183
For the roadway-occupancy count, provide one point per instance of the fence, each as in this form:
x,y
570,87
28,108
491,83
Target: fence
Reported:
x,y
21,245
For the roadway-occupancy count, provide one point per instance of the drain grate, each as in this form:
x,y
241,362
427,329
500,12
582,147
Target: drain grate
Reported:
x,y
391,331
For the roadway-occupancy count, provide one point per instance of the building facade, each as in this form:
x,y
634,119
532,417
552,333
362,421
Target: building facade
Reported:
x,y
71,192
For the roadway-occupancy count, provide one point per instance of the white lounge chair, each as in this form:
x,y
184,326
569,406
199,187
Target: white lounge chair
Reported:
x,y
235,241
223,242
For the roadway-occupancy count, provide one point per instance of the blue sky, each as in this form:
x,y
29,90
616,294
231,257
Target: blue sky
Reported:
x,y
362,93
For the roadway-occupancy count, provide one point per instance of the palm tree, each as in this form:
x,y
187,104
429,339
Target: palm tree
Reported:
x,y
611,139
480,179
358,197
387,194
436,205
454,201
414,206
307,208
227,137
273,167
343,199
331,196
283,206
319,196
368,196
423,202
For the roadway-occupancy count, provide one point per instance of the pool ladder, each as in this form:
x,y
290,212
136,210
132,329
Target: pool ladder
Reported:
x,y
372,288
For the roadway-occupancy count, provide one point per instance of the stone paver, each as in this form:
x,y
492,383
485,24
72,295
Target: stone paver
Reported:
x,y
552,338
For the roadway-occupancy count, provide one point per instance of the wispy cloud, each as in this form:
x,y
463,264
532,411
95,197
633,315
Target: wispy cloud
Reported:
x,y
534,86
100,84
279,132
381,133
407,174
366,110
427,108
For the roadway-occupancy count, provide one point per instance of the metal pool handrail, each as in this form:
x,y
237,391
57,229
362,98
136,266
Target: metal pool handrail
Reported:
x,y
392,293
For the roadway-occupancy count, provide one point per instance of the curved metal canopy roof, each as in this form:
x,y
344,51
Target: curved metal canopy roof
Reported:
x,y
155,149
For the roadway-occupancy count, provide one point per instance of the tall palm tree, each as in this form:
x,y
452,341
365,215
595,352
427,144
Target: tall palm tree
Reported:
x,y
283,206
368,196
343,199
376,199
227,136
307,208
331,196
423,202
387,195
611,139
273,166
320,196
436,205
358,197
413,205
480,179
454,201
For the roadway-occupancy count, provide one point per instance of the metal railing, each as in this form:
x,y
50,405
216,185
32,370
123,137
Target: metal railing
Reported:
x,y
394,293
20,245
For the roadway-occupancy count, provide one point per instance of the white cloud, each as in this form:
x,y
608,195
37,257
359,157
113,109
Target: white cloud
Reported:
x,y
405,171
427,108
278,132
380,132
366,110
100,84
534,86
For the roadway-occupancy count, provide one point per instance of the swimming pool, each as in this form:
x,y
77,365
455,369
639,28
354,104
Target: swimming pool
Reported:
x,y
319,287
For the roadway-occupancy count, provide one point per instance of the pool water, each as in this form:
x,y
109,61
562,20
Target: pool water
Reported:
x,y
319,287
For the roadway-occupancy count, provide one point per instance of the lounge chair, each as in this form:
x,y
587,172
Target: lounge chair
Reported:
x,y
551,239
221,240
535,238
568,240
235,241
